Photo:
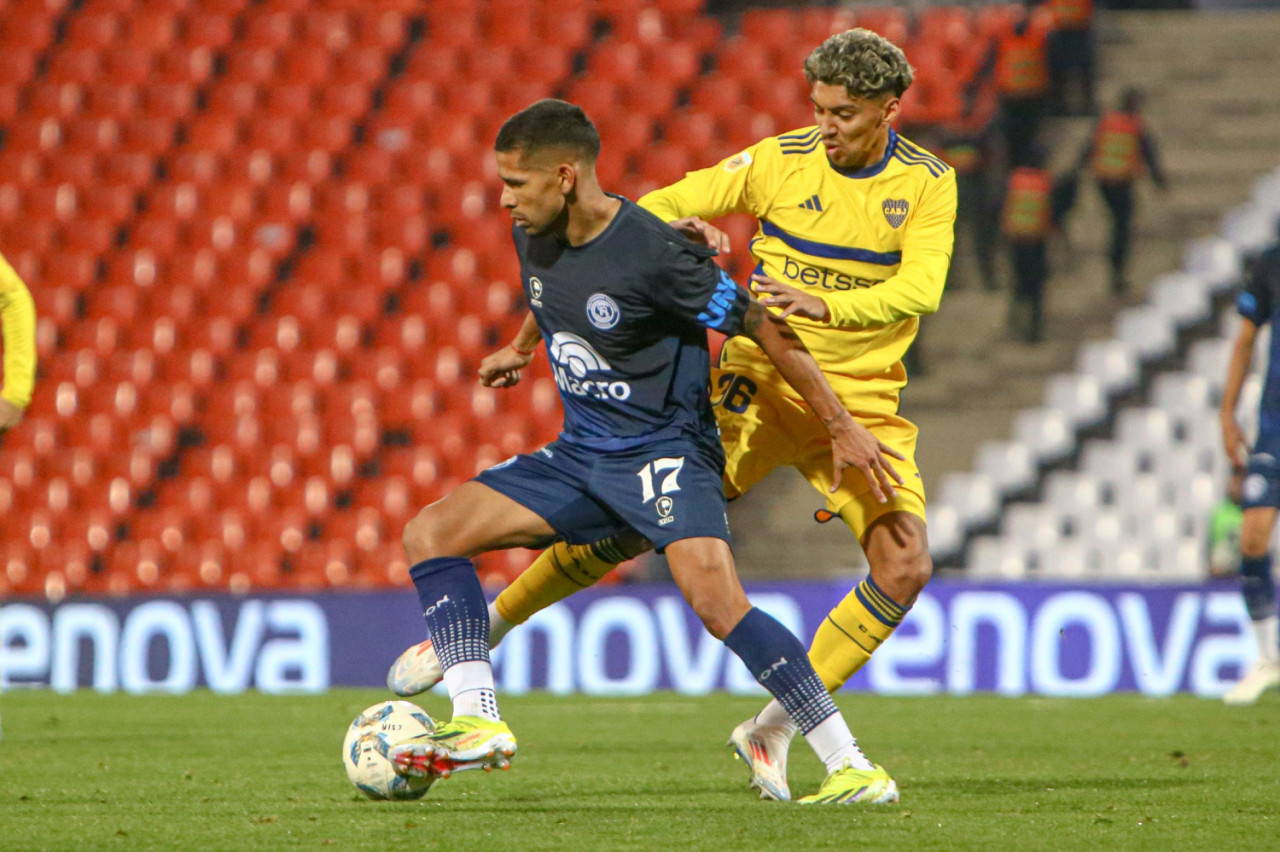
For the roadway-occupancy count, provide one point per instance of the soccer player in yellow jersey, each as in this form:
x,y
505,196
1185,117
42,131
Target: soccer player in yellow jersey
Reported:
x,y
18,326
855,238
18,321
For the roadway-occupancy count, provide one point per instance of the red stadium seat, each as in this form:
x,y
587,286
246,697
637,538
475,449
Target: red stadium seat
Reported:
x,y
17,64
206,29
151,136
183,65
129,168
69,269
73,167
125,67
269,30
327,132
305,64
169,101
233,98
363,65
74,65
91,29
20,168
92,236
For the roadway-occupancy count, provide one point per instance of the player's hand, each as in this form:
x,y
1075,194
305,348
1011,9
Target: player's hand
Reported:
x,y
853,445
10,415
501,369
702,231
793,301
1234,442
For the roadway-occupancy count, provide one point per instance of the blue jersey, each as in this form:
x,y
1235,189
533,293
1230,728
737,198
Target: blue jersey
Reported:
x,y
1259,303
624,321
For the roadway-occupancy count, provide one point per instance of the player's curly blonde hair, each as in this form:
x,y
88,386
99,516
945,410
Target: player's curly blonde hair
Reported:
x,y
867,64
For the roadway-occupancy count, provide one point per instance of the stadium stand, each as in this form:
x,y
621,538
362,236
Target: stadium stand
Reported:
x,y
265,247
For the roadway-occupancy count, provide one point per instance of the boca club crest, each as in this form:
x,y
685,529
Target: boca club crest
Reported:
x,y
895,211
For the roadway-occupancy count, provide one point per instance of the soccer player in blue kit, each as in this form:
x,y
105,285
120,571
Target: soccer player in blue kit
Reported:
x,y
622,302
1258,304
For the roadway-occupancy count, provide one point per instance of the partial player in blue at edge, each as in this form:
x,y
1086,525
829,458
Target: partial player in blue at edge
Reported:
x,y
1258,304
621,302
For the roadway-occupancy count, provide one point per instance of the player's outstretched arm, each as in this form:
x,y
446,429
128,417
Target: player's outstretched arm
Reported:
x,y
1233,438
501,369
852,445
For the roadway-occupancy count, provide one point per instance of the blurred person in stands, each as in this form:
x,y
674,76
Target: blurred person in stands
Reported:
x,y
1225,523
1258,304
854,244
1022,79
1071,56
18,320
970,151
1027,222
1118,148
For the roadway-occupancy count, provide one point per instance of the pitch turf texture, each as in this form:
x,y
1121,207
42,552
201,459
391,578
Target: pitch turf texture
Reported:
x,y
90,771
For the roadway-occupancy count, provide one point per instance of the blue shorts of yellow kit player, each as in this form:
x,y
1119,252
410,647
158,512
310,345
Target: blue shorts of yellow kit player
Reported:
x,y
764,425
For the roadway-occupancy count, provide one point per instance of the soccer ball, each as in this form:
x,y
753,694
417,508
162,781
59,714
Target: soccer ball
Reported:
x,y
371,735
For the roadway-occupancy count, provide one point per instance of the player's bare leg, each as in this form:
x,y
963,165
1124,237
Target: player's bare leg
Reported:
x,y
439,542
1259,593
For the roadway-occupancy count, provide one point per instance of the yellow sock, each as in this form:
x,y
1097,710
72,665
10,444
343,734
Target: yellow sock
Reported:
x,y
852,632
558,572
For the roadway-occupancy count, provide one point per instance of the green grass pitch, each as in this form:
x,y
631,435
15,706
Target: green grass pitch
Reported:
x,y
202,771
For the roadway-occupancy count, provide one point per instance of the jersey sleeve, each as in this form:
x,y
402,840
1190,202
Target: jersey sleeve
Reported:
x,y
693,288
18,322
1254,301
916,288
739,184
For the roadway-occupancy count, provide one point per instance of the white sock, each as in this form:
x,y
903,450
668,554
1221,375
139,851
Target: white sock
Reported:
x,y
470,685
498,626
834,744
1267,632
773,716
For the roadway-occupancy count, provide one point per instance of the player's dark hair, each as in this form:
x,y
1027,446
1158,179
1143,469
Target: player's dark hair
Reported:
x,y
867,64
549,123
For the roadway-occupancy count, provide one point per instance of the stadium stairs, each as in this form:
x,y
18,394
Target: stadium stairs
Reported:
x,y
1218,68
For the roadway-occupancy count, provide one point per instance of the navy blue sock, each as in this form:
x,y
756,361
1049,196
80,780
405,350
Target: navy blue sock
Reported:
x,y
779,661
1258,587
454,608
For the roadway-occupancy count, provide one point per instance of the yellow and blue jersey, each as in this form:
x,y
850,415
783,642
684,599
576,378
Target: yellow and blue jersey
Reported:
x,y
873,244
18,320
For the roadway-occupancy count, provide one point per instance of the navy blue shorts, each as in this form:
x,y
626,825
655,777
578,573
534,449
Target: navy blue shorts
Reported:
x,y
666,490
1262,481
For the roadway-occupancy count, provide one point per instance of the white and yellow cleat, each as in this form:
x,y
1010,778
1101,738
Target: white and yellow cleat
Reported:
x,y
1249,689
764,749
467,742
415,671
849,786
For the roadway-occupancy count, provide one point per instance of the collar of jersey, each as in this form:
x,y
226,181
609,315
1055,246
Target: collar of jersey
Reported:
x,y
607,228
875,168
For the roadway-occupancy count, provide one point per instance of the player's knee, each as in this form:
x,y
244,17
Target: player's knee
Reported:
x,y
426,536
1254,546
714,595
1255,540
904,573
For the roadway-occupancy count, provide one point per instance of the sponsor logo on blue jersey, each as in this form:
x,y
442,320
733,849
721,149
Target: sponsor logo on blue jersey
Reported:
x,y
576,359
717,310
